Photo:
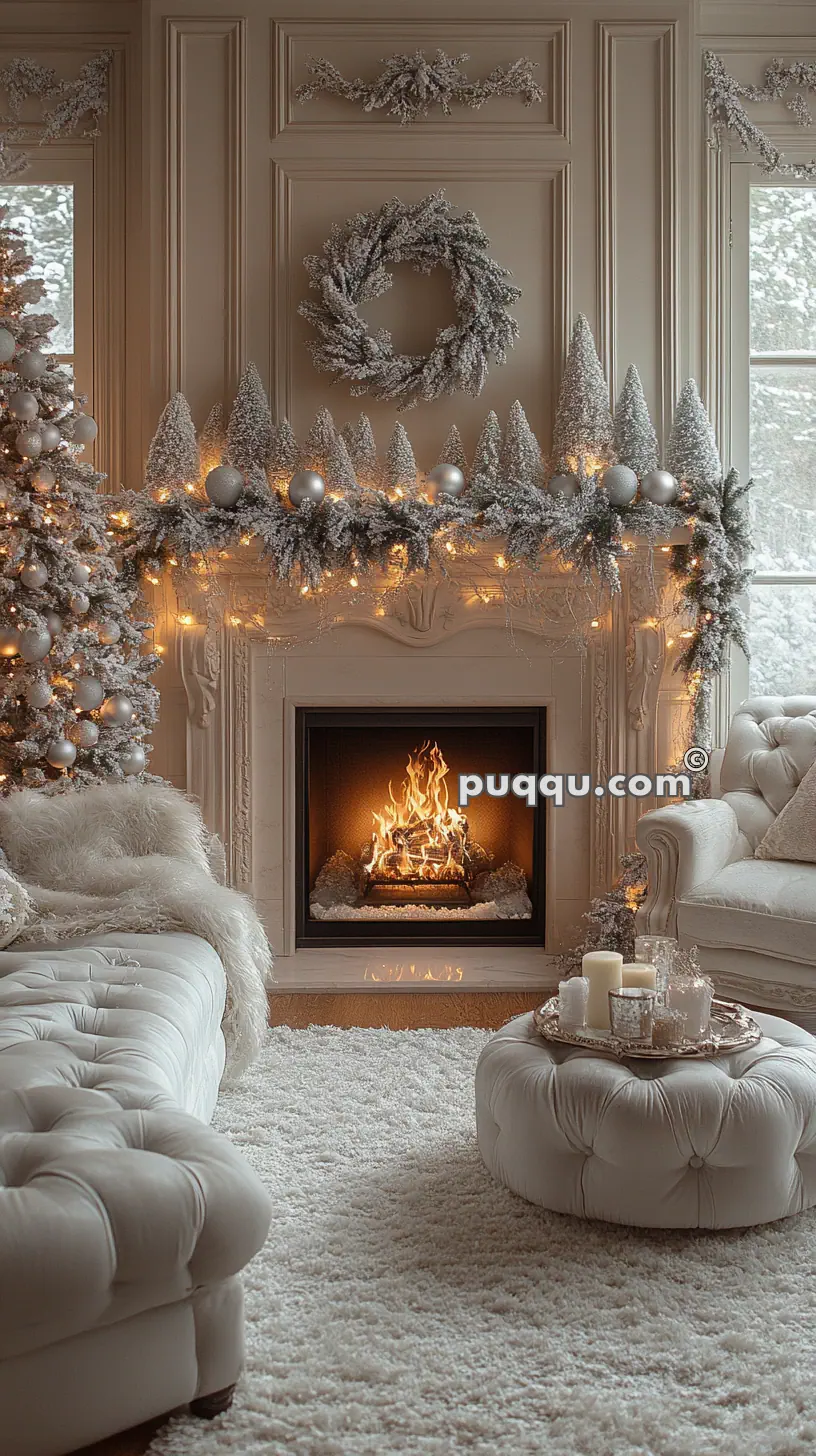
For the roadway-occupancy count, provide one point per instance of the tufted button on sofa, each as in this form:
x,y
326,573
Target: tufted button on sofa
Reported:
x,y
124,1219
754,920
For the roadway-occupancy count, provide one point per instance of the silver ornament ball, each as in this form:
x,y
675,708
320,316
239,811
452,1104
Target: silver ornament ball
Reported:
x,y
60,753
80,574
38,693
85,733
133,760
9,641
31,364
620,484
84,431
43,478
33,574
109,633
50,436
28,444
88,693
117,710
224,486
659,487
447,480
8,344
565,486
35,644
53,623
23,405
79,603
306,486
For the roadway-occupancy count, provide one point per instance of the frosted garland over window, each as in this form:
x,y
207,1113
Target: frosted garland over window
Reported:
x,y
45,216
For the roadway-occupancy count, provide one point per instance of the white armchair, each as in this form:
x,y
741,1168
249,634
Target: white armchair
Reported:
x,y
754,920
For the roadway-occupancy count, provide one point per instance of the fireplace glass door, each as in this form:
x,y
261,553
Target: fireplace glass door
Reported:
x,y
385,852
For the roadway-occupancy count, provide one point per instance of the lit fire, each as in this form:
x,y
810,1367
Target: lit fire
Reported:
x,y
419,836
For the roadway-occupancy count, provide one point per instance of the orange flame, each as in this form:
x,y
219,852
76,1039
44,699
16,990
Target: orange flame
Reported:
x,y
419,836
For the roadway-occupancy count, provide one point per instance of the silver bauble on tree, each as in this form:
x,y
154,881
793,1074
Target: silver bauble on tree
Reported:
x,y
84,430
659,487
306,486
31,364
50,435
35,644
43,478
23,405
33,574
80,574
563,486
53,622
620,484
38,694
224,486
60,753
9,641
117,710
88,693
109,633
28,444
133,760
447,480
79,603
7,346
85,733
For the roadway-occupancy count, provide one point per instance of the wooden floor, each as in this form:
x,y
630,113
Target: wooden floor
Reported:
x,y
399,1010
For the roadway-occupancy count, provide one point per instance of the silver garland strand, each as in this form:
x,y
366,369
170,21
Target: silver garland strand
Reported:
x,y
724,98
411,86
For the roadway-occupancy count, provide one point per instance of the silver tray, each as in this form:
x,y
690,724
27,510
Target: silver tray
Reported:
x,y
732,1029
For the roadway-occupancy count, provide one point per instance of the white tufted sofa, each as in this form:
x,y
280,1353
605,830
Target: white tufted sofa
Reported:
x,y
124,1219
753,919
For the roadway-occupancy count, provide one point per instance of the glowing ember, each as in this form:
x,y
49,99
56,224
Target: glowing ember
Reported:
x,y
419,837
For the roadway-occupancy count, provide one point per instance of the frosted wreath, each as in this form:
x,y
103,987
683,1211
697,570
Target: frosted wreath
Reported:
x,y
353,269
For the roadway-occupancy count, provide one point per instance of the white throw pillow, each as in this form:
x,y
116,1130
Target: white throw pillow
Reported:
x,y
793,832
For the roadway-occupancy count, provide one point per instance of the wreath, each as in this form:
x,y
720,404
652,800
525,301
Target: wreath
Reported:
x,y
353,268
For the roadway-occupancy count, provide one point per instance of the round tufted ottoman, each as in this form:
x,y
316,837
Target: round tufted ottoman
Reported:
x,y
668,1144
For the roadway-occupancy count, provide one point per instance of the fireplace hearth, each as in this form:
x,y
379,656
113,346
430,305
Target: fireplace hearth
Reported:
x,y
385,855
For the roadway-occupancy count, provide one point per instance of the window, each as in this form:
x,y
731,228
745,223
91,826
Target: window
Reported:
x,y
782,437
45,216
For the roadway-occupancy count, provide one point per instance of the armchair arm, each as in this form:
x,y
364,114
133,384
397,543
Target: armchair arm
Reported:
x,y
684,845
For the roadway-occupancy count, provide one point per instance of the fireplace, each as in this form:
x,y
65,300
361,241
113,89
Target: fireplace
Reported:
x,y
384,852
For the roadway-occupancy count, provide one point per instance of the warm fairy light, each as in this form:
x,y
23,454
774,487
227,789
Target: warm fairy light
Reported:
x,y
588,536
686,634
160,649
304,591
235,621
353,581
154,580
379,612
162,495
335,495
398,491
186,620
665,550
190,488
450,548
501,563
669,641
709,616
245,540
594,622
693,561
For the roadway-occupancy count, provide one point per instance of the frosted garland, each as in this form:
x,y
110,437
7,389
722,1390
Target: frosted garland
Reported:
x,y
411,86
24,78
724,98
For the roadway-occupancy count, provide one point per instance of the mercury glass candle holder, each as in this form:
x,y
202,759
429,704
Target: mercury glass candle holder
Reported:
x,y
631,1011
667,1027
658,951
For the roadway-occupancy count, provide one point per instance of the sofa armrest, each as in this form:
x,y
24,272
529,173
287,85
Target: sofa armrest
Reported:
x,y
684,845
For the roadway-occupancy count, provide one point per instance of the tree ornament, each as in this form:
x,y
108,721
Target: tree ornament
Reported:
x,y
28,444
80,573
38,694
691,453
79,602
564,486
659,487
635,440
7,346
521,459
23,405
50,436
133,760
85,430
33,575
583,424
53,623
117,710
109,633
354,267
400,466
60,753
620,484
85,733
31,364
35,644
447,480
250,435
453,451
9,641
224,486
488,451
173,458
306,486
43,478
88,693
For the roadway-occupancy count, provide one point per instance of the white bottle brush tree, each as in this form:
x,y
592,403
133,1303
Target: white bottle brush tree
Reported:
x,y
76,701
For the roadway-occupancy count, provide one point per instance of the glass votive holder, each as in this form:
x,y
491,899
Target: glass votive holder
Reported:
x,y
572,1003
667,1027
657,951
691,997
631,1012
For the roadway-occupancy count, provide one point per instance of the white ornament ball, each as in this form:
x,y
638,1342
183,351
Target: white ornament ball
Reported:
x,y
8,344
224,486
60,753
88,693
28,444
565,486
85,733
659,487
109,633
447,480
38,694
620,484
80,574
53,623
33,574
43,478
133,760
117,710
9,641
35,644
23,405
31,364
306,485
50,436
79,603
84,431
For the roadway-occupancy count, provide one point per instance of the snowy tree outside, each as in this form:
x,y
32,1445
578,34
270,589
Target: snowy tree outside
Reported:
x,y
45,217
783,437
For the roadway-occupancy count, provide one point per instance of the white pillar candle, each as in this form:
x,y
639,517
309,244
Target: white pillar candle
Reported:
x,y
603,970
572,1003
639,973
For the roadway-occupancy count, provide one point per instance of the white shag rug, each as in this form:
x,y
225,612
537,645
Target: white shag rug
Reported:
x,y
407,1304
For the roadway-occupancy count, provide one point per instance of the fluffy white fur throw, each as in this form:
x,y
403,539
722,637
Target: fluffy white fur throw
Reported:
x,y
134,858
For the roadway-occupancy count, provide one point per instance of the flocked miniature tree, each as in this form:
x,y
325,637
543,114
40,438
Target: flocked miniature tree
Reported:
x,y
521,458
250,432
283,456
173,458
76,699
488,451
363,451
453,451
610,919
339,474
635,440
691,453
583,429
319,443
212,442
400,465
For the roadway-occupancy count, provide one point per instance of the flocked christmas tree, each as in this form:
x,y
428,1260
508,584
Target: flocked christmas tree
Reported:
x,y
400,465
488,451
283,456
212,442
319,443
173,459
583,424
521,458
453,451
635,440
362,448
339,474
250,433
691,453
76,701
